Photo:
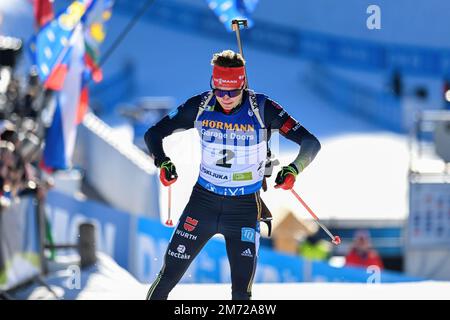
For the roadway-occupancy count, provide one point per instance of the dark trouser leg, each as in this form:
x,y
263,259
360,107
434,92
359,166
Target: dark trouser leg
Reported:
x,y
183,248
243,258
241,230
195,227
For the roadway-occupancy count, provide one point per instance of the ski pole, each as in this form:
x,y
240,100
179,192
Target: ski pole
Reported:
x,y
236,26
334,239
169,222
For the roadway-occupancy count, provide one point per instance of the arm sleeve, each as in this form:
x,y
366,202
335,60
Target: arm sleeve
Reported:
x,y
276,118
181,118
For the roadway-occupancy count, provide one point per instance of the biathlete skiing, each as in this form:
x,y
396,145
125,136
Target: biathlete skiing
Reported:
x,y
235,125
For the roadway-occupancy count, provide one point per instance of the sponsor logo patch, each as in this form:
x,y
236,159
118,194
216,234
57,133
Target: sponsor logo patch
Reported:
x,y
210,187
242,176
297,126
178,255
247,253
190,224
213,124
215,175
221,81
248,235
186,235
288,125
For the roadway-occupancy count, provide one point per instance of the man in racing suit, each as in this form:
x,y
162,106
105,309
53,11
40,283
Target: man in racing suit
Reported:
x,y
234,124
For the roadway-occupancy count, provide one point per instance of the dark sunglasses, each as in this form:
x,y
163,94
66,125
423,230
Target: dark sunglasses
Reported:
x,y
231,93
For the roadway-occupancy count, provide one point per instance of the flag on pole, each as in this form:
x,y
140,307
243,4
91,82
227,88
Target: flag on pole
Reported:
x,y
52,44
58,52
228,10
43,12
66,52
94,34
60,137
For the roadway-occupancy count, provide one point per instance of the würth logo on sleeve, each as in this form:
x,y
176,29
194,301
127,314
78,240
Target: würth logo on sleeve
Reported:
x,y
288,125
190,224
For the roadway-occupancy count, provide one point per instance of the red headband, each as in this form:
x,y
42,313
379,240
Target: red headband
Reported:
x,y
229,78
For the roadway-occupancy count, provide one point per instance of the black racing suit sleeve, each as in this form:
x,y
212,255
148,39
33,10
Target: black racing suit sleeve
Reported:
x,y
276,118
181,118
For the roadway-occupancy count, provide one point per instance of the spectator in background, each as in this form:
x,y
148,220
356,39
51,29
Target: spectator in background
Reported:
x,y
17,174
315,248
361,253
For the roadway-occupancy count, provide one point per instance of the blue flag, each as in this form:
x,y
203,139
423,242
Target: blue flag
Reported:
x,y
228,10
53,42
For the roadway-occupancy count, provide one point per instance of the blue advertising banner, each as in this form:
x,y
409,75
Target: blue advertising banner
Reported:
x,y
212,266
139,244
151,243
112,226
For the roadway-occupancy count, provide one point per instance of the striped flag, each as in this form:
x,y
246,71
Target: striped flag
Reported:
x,y
67,54
58,52
94,34
60,137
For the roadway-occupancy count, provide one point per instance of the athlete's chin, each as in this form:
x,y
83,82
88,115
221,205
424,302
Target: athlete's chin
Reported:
x,y
227,106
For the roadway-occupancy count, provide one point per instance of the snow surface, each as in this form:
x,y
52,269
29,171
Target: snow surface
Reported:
x,y
105,280
320,291
108,281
